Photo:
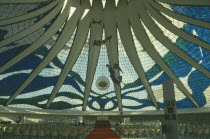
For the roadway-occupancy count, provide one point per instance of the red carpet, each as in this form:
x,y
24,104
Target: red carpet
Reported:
x,y
102,130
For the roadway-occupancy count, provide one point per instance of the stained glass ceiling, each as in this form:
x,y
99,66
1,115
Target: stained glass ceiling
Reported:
x,y
104,54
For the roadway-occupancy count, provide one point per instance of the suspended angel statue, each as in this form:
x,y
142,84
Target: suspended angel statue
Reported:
x,y
99,43
116,79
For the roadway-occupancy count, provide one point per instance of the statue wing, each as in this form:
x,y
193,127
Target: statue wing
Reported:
x,y
116,66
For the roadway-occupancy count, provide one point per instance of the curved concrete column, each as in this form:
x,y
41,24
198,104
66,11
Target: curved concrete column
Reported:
x,y
45,37
21,1
34,27
96,31
187,2
150,49
156,31
128,43
110,26
78,43
180,17
28,15
158,17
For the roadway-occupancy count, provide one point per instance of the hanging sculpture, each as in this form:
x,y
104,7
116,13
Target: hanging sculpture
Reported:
x,y
116,79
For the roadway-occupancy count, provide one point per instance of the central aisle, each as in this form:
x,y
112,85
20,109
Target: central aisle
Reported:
x,y
102,130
